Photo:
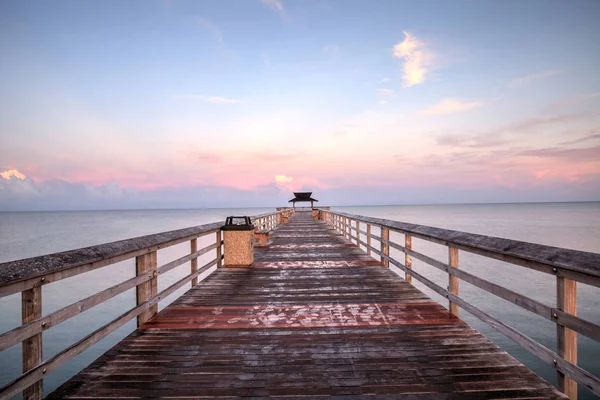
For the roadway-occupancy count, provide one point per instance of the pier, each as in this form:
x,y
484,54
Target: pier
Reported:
x,y
318,312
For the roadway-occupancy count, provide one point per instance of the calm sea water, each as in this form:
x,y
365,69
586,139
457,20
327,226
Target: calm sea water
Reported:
x,y
570,225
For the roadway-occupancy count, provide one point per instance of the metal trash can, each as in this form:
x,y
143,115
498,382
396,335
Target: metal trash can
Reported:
x,y
238,241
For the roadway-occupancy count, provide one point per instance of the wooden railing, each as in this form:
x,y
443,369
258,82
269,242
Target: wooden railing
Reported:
x,y
29,275
569,267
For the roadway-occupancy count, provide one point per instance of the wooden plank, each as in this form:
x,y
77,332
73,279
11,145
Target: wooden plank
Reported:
x,y
408,258
37,373
578,374
143,265
368,244
182,260
220,255
20,275
38,325
194,260
566,301
31,309
452,279
385,246
579,265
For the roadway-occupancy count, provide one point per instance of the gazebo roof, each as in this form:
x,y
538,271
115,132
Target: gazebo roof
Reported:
x,y
302,196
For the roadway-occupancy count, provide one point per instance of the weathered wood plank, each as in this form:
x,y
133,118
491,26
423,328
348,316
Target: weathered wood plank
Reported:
x,y
452,279
143,265
194,261
31,309
566,301
579,265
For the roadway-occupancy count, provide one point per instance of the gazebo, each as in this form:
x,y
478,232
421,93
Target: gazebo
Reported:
x,y
303,196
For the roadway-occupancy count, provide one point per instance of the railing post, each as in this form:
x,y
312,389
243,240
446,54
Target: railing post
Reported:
x,y
408,258
453,280
358,234
194,262
566,300
219,249
369,239
144,291
346,228
31,308
349,228
385,246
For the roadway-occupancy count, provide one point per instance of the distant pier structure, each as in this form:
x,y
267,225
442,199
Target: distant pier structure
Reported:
x,y
303,197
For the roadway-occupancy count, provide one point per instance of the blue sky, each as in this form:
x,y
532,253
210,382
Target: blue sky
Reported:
x,y
127,104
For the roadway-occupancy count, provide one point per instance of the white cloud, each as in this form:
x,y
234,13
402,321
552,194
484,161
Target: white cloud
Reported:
x,y
12,173
416,60
283,182
283,178
532,77
211,28
448,106
384,80
275,4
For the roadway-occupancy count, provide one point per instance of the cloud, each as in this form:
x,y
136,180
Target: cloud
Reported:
x,y
589,153
590,136
416,60
384,80
331,49
516,131
208,99
211,28
12,173
275,4
524,80
283,179
448,106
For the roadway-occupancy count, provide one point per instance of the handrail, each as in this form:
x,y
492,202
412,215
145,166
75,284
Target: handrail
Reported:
x,y
569,267
580,265
29,275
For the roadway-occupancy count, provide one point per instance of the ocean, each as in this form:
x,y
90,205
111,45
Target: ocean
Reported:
x,y
569,225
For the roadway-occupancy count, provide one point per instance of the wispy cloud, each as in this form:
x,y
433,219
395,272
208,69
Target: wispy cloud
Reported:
x,y
416,59
384,80
211,28
331,49
515,132
448,106
208,99
275,4
524,80
589,153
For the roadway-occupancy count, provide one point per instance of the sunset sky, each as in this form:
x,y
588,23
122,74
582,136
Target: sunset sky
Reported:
x,y
160,104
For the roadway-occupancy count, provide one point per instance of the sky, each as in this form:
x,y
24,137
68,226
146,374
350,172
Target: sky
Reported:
x,y
188,104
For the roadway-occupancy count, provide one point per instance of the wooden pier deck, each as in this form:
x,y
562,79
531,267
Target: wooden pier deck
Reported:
x,y
314,316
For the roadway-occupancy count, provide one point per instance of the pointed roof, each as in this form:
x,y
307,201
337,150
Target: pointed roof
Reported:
x,y
302,196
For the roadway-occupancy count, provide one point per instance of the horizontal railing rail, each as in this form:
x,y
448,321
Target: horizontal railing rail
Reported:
x,y
569,267
29,275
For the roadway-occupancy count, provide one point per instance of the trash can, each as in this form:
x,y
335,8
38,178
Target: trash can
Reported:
x,y
238,241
